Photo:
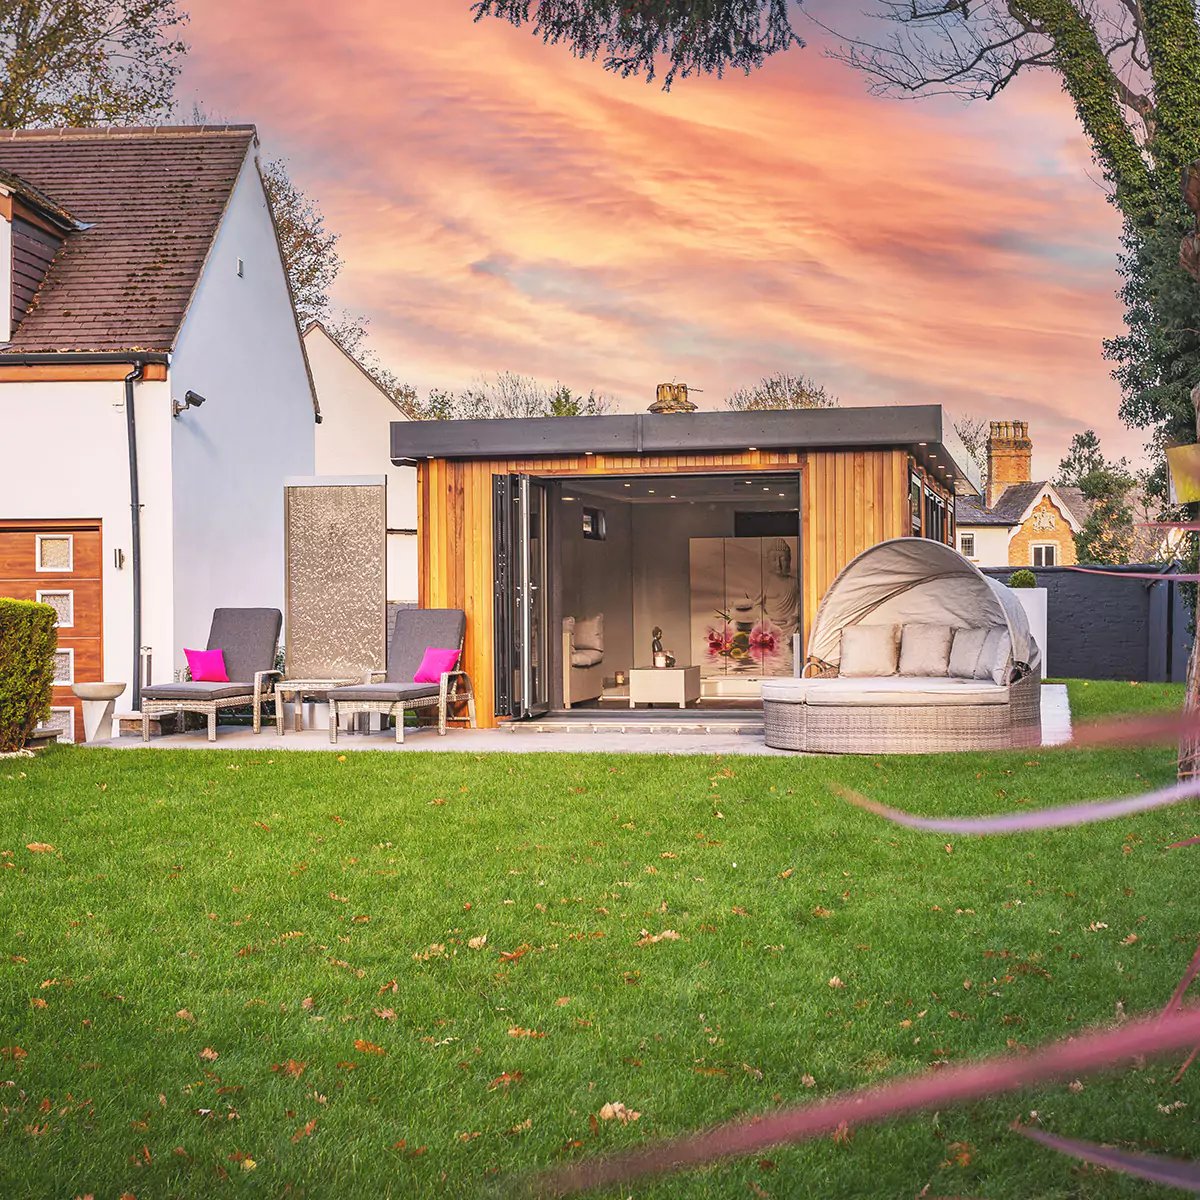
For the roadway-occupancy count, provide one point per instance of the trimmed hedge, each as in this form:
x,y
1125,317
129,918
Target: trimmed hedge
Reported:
x,y
28,640
1024,578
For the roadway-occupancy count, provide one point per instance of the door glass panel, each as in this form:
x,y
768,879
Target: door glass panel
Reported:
x,y
533,598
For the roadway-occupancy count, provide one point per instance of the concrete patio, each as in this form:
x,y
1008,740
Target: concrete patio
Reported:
x,y
665,738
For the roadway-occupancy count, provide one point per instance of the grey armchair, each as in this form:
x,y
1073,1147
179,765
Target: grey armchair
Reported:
x,y
249,640
391,694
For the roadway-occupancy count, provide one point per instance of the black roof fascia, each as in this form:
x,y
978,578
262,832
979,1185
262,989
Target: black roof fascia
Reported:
x,y
650,433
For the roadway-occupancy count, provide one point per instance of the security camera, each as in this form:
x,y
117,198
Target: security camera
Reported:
x,y
194,399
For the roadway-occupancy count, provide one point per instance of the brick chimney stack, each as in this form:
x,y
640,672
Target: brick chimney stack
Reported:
x,y
1009,457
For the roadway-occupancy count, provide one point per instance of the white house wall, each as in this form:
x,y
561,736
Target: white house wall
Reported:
x,y
354,439
65,456
991,544
240,349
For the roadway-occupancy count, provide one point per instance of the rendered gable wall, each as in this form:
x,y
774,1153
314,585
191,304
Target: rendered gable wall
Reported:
x,y
240,349
353,439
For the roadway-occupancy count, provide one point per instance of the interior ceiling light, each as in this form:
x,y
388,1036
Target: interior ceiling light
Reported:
x,y
629,485
652,491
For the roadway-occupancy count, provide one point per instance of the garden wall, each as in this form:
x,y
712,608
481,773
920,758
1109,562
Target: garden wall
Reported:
x,y
1108,626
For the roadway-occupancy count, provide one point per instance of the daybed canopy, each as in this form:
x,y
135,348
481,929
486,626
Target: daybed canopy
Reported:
x,y
917,580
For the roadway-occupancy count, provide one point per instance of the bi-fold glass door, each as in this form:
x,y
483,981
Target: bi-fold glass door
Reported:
x,y
522,596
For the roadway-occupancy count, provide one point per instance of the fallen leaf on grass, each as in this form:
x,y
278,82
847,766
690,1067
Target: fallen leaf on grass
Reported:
x,y
13,1053
513,955
477,943
522,1126
208,1054
291,1068
185,1014
385,1014
787,874
808,1081
616,1111
304,1130
415,1152
469,1137
822,912
562,1001
517,1032
38,1002
40,848
365,1047
308,1003
509,1077
835,982
650,939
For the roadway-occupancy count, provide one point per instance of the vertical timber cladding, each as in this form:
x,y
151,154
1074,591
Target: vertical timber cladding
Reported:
x,y
849,500
335,577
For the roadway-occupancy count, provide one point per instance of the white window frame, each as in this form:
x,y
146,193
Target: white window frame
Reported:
x,y
37,560
1034,547
42,593
963,540
69,651
65,708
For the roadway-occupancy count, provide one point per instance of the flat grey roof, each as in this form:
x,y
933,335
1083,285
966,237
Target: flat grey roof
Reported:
x,y
919,428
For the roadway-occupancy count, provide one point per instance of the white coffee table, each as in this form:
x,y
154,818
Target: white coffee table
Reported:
x,y
664,685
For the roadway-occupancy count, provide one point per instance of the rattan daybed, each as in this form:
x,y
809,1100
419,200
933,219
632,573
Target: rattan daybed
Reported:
x,y
924,585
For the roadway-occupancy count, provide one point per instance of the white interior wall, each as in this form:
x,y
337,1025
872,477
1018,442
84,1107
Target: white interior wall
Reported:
x,y
241,350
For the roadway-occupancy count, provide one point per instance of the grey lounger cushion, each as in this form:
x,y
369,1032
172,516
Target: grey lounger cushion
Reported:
x,y
385,693
416,630
197,691
248,637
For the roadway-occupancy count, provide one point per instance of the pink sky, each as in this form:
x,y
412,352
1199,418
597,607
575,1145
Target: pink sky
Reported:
x,y
503,206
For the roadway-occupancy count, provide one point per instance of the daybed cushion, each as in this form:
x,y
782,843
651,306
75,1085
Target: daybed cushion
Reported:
x,y
870,650
385,693
586,658
197,691
589,634
891,691
925,649
995,659
964,654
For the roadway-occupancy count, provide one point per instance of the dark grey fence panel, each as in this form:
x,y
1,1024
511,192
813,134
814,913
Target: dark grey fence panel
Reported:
x,y
1108,626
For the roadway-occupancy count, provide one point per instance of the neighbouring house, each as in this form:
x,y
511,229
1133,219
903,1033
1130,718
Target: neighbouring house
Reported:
x,y
569,541
154,392
1019,521
356,414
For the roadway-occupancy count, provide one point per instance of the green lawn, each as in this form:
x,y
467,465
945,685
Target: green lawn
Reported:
x,y
250,974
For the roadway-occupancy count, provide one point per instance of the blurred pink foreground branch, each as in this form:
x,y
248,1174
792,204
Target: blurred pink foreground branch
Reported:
x,y
1091,1051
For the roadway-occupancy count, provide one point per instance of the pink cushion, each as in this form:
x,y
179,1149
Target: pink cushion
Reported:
x,y
206,666
435,664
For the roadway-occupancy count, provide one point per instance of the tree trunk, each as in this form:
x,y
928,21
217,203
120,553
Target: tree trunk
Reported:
x,y
1189,259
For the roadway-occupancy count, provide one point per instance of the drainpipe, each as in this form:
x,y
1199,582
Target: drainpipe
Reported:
x,y
135,539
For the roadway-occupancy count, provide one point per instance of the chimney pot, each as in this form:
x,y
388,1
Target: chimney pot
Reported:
x,y
1009,457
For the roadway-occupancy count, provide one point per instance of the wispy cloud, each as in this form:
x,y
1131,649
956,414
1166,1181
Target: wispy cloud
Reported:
x,y
503,206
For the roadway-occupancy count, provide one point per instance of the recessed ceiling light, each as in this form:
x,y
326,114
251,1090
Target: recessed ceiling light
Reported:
x,y
652,491
751,447
589,453
672,495
781,493
922,443
766,489
629,485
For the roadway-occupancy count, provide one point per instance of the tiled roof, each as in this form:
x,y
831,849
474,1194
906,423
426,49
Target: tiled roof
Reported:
x,y
152,200
1013,502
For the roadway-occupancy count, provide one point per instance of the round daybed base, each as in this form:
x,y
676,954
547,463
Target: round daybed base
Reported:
x,y
803,718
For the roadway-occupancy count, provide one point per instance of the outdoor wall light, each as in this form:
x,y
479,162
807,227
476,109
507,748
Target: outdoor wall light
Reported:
x,y
190,400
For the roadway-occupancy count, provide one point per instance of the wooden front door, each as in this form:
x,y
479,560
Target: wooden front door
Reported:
x,y
59,563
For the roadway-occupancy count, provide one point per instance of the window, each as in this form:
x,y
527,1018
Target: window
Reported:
x,y
64,667
935,517
63,604
594,525
55,551
1045,554
966,543
915,496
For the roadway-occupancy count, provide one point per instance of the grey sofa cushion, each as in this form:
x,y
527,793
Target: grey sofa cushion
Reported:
x,y
416,630
197,691
248,637
385,693
995,659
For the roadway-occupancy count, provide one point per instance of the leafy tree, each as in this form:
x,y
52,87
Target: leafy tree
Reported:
x,y
781,390
88,62
695,36
1108,531
508,394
